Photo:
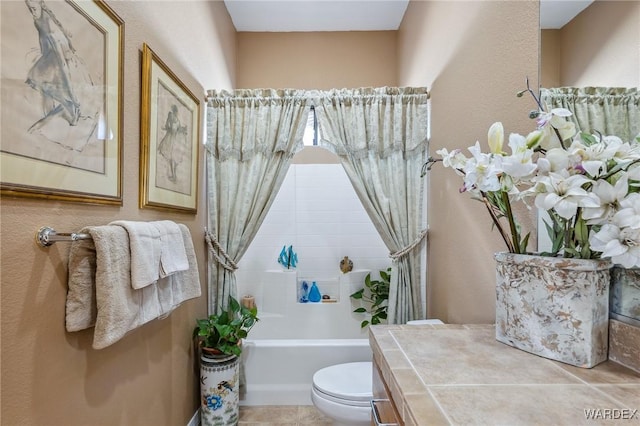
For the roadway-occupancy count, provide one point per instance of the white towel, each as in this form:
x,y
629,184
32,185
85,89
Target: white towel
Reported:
x,y
186,284
146,248
173,257
81,296
118,304
106,299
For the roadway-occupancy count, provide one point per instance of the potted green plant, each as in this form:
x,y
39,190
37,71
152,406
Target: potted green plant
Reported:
x,y
376,295
219,338
221,334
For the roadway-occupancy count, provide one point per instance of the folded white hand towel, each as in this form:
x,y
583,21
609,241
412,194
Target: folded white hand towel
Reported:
x,y
186,284
180,286
146,248
173,257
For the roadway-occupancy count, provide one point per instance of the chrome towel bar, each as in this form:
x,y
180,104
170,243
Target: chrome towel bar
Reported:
x,y
46,236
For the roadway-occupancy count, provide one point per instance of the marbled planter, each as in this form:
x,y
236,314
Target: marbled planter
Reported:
x,y
625,292
219,382
554,307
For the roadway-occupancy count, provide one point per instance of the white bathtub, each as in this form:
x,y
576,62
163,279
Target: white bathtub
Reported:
x,y
293,340
280,371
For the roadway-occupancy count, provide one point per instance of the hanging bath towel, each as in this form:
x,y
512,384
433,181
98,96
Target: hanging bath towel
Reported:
x,y
100,292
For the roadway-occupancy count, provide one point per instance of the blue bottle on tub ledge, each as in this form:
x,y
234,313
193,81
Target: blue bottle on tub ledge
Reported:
x,y
304,292
314,293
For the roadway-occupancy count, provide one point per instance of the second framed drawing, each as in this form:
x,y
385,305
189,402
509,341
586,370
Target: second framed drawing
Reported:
x,y
170,129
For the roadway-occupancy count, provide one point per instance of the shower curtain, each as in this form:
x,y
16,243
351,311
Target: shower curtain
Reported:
x,y
251,137
610,111
380,136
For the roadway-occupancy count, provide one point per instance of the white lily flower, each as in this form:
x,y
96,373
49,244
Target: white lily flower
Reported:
x,y
558,159
496,138
563,193
567,129
632,201
610,198
629,214
624,151
607,240
621,245
569,174
552,121
454,159
520,163
544,166
596,156
482,171
545,117
633,172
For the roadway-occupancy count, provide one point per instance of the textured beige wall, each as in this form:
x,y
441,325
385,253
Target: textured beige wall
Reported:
x,y
51,377
601,46
318,60
474,56
550,58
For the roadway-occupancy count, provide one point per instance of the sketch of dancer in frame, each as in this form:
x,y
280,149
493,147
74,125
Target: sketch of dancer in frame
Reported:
x,y
60,75
172,145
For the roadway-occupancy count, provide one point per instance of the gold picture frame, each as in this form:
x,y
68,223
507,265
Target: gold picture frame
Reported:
x,y
170,135
61,109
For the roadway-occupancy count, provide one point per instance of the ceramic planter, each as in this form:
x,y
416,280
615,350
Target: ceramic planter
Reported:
x,y
554,307
219,390
625,292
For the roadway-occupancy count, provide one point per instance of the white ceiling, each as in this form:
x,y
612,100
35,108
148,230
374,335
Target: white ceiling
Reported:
x,y
316,15
554,14
355,15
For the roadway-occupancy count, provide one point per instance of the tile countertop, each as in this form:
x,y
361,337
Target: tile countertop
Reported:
x,y
459,374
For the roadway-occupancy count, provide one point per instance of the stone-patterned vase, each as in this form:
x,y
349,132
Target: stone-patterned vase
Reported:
x,y
625,292
219,383
554,307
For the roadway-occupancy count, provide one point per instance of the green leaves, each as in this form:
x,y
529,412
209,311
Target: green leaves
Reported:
x,y
225,330
569,236
375,295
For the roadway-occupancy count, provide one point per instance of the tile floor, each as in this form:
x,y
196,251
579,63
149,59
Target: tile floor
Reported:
x,y
282,415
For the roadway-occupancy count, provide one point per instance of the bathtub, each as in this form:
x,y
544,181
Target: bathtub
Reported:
x,y
293,340
280,371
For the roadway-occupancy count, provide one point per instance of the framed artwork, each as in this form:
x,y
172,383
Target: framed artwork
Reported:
x,y
61,106
170,128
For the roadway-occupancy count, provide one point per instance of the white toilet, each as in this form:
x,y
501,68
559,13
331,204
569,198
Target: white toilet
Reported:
x,y
343,392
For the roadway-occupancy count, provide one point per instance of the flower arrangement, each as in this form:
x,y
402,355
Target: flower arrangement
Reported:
x,y
588,184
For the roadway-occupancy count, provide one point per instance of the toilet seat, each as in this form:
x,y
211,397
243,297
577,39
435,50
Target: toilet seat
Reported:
x,y
346,402
348,384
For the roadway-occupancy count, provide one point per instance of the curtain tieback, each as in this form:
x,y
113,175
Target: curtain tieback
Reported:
x,y
398,254
223,258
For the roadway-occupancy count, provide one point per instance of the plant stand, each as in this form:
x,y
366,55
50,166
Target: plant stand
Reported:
x,y
219,390
554,307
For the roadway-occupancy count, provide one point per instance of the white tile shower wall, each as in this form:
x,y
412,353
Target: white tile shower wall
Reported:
x,y
318,212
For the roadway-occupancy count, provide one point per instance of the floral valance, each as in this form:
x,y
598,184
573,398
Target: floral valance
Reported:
x,y
243,122
374,120
608,110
